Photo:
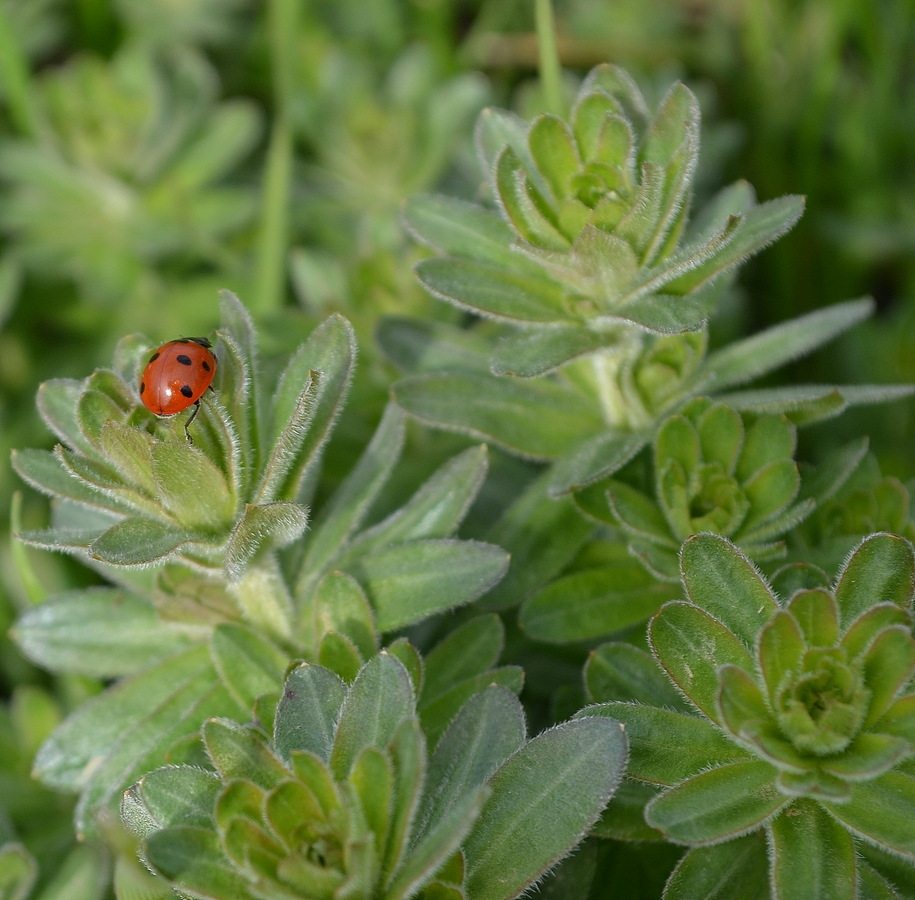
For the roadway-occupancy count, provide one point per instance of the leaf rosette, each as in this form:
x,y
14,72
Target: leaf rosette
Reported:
x,y
346,800
714,471
799,724
219,587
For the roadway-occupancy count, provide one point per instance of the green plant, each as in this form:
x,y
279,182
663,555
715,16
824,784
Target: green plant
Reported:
x,y
798,727
346,800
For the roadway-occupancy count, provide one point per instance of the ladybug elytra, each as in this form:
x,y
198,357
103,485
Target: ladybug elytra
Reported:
x,y
176,377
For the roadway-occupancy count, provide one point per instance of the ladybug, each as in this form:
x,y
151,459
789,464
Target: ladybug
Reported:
x,y
176,377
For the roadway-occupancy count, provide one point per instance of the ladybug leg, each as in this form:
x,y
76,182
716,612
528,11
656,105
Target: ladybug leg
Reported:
x,y
190,419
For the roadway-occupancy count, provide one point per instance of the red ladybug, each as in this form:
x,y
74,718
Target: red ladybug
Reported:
x,y
176,377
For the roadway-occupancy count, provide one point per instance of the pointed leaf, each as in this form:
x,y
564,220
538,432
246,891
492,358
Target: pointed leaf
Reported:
x,y
491,291
341,606
721,580
470,649
880,570
137,542
565,776
248,663
734,870
99,632
308,711
538,351
691,646
261,528
623,672
658,314
719,804
744,360
240,753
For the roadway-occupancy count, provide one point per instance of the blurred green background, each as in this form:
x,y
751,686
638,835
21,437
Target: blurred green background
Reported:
x,y
154,151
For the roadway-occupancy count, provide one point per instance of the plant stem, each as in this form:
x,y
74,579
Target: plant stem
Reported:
x,y
550,74
270,276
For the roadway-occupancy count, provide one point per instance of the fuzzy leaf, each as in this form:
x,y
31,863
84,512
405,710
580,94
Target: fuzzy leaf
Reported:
x,y
99,632
498,409
565,776
734,870
341,606
378,701
352,500
488,729
666,747
658,314
781,648
542,535
594,458
492,291
241,754
419,347
721,580
691,645
18,872
409,582
594,602
178,795
137,542
888,664
190,487
262,528
718,804
538,351
57,401
623,672
470,649
744,360
879,811
308,711
461,229
881,570
248,663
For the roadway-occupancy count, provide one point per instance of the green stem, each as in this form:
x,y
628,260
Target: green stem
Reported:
x,y
16,79
550,74
262,596
273,245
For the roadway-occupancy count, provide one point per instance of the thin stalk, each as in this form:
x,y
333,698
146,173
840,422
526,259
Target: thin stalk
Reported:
x,y
16,79
273,244
550,73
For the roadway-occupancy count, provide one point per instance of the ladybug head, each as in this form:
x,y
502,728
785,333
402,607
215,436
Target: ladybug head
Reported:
x,y
204,342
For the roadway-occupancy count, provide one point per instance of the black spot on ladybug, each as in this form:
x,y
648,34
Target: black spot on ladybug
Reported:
x,y
206,366
184,360
154,357
186,390
142,386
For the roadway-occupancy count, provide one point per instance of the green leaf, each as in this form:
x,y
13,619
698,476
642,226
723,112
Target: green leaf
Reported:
x,y
470,649
744,360
248,663
719,804
623,672
691,645
262,528
411,660
498,410
18,872
721,580
867,757
554,153
82,875
638,515
191,488
341,606
594,602
666,747
241,754
380,699
781,649
489,728
436,713
878,811
493,292
331,352
542,535
734,870
741,701
308,712
624,817
888,664
594,458
409,582
193,860
457,228
178,795
57,401
756,228
565,776
658,314
497,128
99,632
538,351
524,203
880,570
137,542
339,654
816,613
869,624
416,346
435,510
372,777
872,885
836,468
408,753
352,500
